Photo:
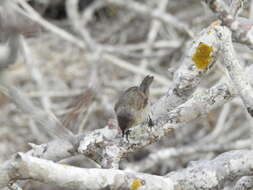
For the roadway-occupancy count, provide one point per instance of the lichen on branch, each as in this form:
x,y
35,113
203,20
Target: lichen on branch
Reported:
x,y
203,55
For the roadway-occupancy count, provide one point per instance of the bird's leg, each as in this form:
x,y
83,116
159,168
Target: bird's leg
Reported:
x,y
127,133
150,122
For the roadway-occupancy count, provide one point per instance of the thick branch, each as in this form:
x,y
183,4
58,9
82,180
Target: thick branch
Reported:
x,y
199,175
244,183
76,178
235,70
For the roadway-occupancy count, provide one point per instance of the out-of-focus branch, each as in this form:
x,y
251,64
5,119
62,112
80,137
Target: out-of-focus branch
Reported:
x,y
236,7
79,108
75,18
164,17
12,25
32,14
9,51
14,22
152,34
51,124
36,75
251,10
132,68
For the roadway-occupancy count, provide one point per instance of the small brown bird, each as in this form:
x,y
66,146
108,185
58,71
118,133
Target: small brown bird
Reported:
x,y
132,107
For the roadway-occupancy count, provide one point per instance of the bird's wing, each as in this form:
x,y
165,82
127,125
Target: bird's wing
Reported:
x,y
136,98
133,98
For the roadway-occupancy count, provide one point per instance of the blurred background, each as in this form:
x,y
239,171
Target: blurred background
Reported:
x,y
81,85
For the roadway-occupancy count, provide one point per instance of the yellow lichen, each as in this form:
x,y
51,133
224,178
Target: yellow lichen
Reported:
x,y
202,57
136,183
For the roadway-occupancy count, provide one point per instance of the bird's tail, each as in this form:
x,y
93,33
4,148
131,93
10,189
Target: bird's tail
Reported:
x,y
146,82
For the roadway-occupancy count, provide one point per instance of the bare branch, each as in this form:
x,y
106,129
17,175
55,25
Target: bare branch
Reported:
x,y
244,183
235,70
241,33
202,174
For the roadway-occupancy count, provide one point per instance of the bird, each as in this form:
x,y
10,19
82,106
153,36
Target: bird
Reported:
x,y
132,107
